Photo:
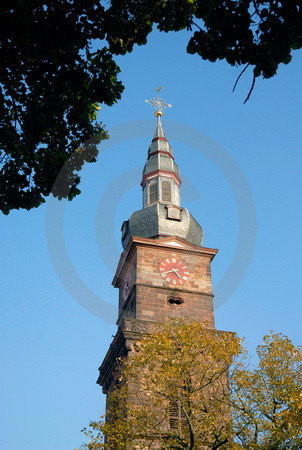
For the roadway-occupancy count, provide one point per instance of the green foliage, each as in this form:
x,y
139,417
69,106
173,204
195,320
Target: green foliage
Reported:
x,y
217,400
55,71
267,401
51,82
172,390
260,33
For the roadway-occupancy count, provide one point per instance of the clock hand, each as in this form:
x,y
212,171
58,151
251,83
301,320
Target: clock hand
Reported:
x,y
168,271
176,272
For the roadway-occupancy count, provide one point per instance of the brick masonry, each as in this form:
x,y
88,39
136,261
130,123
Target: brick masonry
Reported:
x,y
149,293
144,294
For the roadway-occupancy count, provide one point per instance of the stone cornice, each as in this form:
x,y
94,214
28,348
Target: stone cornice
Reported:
x,y
160,173
183,246
175,289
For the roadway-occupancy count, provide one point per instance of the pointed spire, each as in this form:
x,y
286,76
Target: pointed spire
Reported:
x,y
159,142
162,214
159,131
160,180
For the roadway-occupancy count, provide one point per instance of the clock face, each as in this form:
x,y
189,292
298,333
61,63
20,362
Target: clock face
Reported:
x,y
174,271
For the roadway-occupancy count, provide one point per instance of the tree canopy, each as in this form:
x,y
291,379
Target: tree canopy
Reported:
x,y
267,408
259,33
51,80
186,387
57,66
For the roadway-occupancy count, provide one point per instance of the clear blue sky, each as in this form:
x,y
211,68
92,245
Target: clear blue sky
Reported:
x,y
57,266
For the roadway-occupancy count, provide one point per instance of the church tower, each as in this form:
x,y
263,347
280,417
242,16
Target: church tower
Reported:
x,y
164,271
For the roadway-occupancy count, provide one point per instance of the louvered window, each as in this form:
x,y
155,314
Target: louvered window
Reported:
x,y
166,191
177,418
153,192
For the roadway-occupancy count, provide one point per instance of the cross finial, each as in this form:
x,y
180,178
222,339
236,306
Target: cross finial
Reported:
x,y
158,103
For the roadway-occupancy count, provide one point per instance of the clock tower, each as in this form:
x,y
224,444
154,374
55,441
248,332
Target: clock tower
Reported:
x,y
164,271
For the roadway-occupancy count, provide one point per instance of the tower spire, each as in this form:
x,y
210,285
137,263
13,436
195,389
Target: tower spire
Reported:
x,y
159,131
161,180
162,214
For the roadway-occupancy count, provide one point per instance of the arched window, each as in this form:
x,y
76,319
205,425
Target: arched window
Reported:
x,y
153,192
166,191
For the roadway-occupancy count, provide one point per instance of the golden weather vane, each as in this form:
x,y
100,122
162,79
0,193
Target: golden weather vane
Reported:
x,y
158,103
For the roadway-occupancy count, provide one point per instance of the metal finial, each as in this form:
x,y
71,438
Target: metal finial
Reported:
x,y
158,103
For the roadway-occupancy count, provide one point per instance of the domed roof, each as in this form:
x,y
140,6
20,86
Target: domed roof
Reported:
x,y
160,220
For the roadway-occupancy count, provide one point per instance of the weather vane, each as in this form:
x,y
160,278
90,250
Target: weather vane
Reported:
x,y
158,103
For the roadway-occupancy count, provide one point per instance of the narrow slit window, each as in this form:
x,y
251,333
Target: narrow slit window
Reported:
x,y
166,191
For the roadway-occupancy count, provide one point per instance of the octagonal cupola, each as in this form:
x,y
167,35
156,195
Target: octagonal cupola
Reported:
x,y
160,180
162,214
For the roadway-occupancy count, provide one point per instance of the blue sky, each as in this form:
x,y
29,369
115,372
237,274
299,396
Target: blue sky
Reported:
x,y
241,170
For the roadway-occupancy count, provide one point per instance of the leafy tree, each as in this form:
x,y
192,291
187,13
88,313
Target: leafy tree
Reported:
x,y
186,387
55,70
257,33
267,401
170,391
51,80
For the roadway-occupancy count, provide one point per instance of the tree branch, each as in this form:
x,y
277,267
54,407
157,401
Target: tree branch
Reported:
x,y
251,90
196,25
239,76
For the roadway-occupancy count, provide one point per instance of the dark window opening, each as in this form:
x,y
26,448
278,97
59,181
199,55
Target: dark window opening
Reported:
x,y
175,301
